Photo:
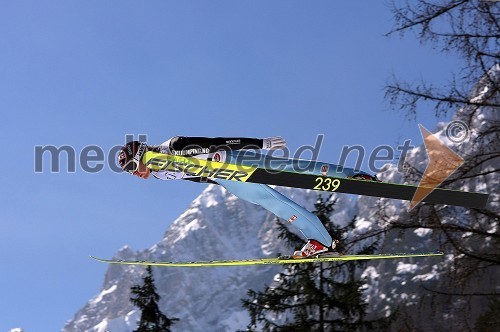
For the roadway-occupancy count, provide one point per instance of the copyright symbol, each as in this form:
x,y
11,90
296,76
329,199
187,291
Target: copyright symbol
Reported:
x,y
457,131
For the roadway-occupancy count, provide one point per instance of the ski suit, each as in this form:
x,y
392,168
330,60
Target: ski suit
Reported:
x,y
243,151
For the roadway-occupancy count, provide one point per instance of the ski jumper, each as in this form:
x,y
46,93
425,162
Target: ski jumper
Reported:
x,y
237,151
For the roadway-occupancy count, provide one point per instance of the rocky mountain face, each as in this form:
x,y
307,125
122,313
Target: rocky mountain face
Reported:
x,y
217,225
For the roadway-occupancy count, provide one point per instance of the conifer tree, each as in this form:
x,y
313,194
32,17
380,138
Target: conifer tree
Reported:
x,y
467,31
146,299
314,296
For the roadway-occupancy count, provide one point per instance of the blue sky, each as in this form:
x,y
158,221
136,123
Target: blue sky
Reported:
x,y
85,73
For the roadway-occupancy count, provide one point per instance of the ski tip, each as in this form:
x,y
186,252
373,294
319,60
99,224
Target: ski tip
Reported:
x,y
97,258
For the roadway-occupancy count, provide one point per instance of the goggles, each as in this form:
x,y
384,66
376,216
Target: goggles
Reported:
x,y
132,165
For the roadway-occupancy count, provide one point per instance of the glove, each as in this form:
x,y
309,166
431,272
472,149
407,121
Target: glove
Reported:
x,y
273,143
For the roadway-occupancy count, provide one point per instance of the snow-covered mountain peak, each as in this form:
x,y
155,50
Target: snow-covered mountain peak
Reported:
x,y
216,225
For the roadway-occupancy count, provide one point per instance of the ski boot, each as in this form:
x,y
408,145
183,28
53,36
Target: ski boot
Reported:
x,y
314,248
364,177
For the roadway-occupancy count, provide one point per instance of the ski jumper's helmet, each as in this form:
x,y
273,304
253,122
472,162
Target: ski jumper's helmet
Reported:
x,y
130,156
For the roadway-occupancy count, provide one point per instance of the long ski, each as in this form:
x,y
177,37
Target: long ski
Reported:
x,y
267,261
216,170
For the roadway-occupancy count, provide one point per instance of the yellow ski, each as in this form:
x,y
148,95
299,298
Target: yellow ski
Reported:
x,y
199,168
267,261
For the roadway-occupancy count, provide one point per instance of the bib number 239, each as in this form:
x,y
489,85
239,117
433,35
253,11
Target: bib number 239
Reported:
x,y
326,184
